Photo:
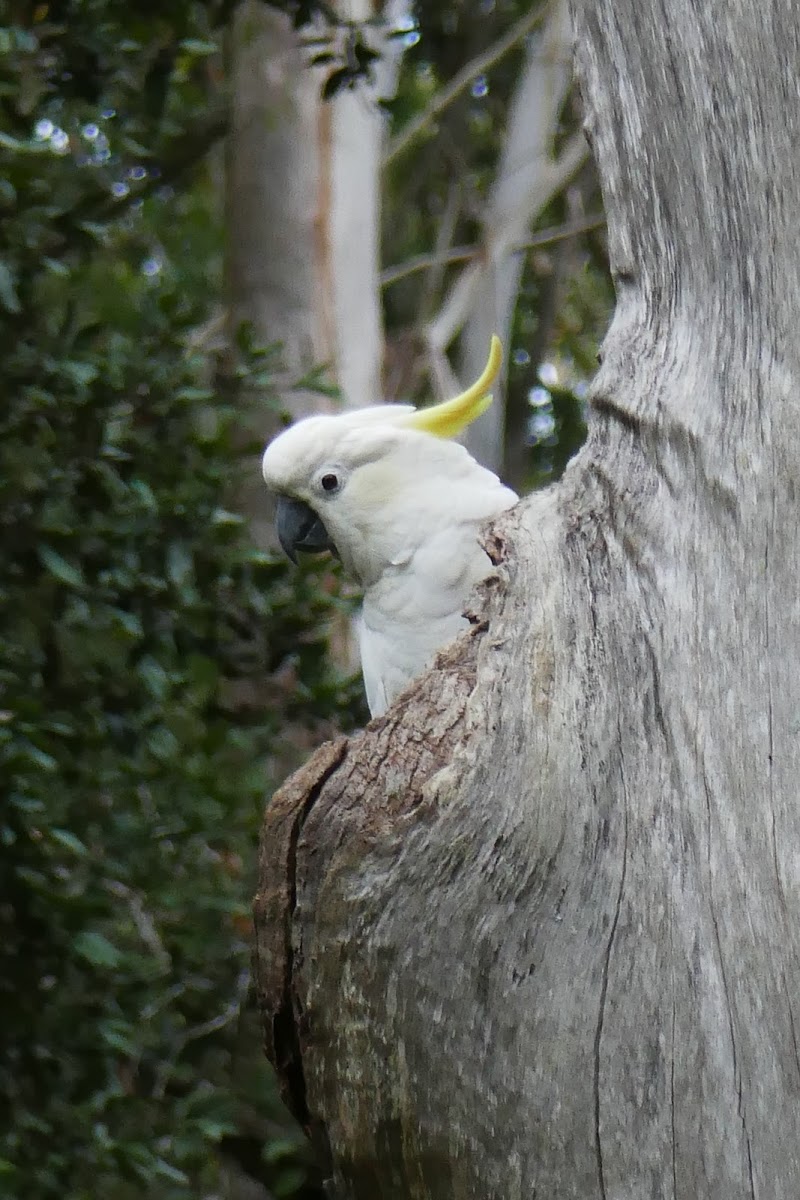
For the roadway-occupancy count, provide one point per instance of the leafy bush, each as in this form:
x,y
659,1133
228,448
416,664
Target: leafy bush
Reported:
x,y
150,657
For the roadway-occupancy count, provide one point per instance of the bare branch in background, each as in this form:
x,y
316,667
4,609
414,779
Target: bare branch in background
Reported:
x,y
442,374
204,1029
482,298
460,81
498,244
459,254
142,920
442,249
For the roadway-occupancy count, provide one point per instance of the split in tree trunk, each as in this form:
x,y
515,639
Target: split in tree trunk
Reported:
x,y
535,931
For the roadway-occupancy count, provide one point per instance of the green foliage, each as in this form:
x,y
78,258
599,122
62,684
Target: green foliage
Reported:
x,y
150,656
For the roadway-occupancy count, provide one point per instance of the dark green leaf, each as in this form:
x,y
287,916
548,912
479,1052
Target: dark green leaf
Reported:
x,y
8,290
96,949
69,841
65,571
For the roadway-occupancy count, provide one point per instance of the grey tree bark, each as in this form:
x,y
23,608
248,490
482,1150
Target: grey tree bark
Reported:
x,y
535,932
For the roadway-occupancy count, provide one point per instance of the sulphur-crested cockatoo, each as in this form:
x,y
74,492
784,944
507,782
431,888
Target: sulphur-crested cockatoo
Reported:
x,y
402,506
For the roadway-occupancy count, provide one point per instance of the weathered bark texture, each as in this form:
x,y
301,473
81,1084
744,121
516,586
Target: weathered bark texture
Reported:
x,y
535,932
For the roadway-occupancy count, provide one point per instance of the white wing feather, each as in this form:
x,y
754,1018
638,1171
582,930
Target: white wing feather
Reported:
x,y
416,609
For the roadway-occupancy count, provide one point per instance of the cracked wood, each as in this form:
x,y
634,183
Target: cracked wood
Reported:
x,y
543,933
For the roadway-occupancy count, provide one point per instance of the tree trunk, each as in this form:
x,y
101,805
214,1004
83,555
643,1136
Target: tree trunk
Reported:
x,y
304,197
274,193
303,212
535,932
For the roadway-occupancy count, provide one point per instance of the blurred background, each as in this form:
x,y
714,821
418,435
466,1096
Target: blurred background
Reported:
x,y
214,217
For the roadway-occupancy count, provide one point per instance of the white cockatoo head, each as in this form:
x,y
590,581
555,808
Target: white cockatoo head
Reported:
x,y
373,485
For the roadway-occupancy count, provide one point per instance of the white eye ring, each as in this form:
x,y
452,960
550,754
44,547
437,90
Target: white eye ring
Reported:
x,y
329,482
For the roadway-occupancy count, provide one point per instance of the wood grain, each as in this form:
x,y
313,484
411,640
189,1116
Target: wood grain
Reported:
x,y
542,919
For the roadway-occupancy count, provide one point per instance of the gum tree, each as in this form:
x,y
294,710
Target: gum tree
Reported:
x,y
535,931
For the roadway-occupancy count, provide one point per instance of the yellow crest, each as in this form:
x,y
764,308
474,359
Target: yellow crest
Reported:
x,y
447,420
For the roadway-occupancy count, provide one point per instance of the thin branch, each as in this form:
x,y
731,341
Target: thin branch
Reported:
x,y
210,335
501,236
228,1014
163,1000
441,373
461,80
444,242
145,925
204,1029
547,237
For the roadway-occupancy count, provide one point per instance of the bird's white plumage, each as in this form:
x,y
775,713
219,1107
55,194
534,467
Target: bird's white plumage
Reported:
x,y
414,610
405,519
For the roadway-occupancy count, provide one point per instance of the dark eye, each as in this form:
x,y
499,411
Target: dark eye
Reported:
x,y
330,482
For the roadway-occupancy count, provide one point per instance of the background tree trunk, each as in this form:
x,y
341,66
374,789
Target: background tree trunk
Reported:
x,y
303,210
535,931
304,197
273,189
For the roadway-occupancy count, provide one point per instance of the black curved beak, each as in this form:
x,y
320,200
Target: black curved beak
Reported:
x,y
299,528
